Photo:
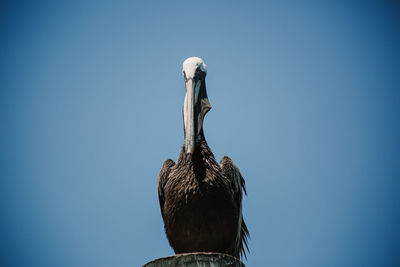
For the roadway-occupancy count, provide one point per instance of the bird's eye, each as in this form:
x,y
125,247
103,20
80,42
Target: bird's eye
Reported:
x,y
198,70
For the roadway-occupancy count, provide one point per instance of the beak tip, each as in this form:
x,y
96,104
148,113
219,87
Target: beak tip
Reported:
x,y
190,151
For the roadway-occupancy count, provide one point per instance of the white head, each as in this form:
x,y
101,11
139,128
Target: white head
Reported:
x,y
191,65
196,102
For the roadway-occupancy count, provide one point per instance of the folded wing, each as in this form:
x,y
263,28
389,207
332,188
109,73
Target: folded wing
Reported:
x,y
238,187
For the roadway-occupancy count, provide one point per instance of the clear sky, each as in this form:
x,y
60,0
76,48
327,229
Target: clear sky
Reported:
x,y
305,99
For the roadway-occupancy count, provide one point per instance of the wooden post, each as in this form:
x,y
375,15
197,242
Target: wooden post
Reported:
x,y
198,259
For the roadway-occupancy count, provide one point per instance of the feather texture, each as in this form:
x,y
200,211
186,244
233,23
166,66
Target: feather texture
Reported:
x,y
201,203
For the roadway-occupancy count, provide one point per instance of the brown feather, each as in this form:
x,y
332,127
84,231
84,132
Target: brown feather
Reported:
x,y
200,202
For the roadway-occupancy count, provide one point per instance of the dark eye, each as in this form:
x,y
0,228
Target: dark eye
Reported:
x,y
198,70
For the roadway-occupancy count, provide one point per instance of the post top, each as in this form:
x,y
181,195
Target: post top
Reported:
x,y
204,259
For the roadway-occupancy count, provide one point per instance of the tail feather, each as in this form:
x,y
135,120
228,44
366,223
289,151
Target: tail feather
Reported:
x,y
244,237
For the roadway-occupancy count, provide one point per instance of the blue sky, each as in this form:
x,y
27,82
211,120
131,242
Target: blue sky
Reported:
x,y
305,99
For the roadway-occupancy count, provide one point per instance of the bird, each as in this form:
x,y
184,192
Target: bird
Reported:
x,y
200,199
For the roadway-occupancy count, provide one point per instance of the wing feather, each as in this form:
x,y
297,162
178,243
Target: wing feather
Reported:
x,y
238,187
162,180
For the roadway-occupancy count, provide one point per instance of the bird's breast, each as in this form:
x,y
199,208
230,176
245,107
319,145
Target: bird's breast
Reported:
x,y
197,201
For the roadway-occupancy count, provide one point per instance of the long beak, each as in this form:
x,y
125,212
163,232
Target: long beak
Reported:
x,y
189,116
195,107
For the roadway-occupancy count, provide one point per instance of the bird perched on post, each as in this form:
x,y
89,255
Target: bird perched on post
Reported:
x,y
201,200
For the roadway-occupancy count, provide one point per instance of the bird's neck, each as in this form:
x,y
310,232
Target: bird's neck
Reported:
x,y
202,152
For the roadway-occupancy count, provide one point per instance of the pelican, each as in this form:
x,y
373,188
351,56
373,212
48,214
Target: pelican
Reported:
x,y
201,200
